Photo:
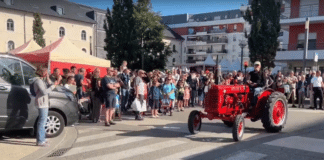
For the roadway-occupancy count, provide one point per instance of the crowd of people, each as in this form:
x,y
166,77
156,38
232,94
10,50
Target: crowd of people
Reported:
x,y
115,93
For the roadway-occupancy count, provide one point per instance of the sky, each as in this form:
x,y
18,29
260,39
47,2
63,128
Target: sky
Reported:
x,y
172,7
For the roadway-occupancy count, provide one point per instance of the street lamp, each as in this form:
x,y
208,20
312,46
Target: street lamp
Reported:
x,y
306,43
242,45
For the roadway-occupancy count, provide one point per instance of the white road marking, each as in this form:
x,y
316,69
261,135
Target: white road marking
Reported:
x,y
97,136
99,146
138,151
302,143
247,156
86,130
189,153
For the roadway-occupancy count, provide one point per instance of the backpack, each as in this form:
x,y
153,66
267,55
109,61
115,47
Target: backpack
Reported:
x,y
32,89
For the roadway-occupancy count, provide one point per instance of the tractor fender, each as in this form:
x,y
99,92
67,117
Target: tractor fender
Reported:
x,y
262,100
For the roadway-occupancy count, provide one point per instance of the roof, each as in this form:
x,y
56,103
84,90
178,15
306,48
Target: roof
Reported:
x,y
48,7
209,61
184,18
175,19
27,47
168,32
63,50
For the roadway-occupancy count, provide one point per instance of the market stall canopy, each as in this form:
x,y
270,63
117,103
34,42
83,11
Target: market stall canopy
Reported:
x,y
27,47
226,65
236,66
63,51
64,54
209,61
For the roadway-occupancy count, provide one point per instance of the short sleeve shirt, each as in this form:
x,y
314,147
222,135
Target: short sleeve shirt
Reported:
x,y
293,78
167,88
139,82
317,81
108,80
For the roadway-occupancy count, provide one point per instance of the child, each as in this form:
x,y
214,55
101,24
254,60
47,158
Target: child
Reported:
x,y
155,94
181,90
117,112
186,96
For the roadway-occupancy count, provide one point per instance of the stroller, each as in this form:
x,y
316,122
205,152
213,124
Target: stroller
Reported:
x,y
166,105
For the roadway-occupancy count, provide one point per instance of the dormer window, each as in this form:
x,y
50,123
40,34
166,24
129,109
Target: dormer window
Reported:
x,y
60,10
236,15
235,27
225,16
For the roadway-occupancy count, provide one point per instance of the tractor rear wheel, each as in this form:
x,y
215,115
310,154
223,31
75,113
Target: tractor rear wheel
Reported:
x,y
238,128
194,122
275,112
228,123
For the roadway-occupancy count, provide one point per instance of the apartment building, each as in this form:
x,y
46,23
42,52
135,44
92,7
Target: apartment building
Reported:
x,y
217,34
293,18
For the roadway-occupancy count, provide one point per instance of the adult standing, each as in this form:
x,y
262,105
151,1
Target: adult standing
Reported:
x,y
317,83
139,91
65,76
301,88
56,77
125,78
96,95
193,82
292,80
73,70
310,88
109,85
79,82
40,84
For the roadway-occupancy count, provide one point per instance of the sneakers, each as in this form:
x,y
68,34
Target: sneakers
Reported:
x,y
43,144
112,122
107,124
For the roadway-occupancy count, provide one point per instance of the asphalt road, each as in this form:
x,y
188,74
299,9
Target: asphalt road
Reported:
x,y
168,138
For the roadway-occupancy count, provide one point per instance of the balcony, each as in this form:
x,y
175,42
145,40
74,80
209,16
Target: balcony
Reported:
x,y
218,31
297,15
295,46
205,53
220,40
201,33
190,43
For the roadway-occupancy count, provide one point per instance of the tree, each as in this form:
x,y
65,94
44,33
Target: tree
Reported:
x,y
38,30
134,33
264,17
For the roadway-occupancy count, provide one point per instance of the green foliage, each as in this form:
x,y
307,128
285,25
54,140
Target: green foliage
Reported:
x,y
38,30
129,25
264,17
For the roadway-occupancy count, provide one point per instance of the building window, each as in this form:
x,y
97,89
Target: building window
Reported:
x,y
191,31
11,45
62,32
60,10
234,48
235,27
225,16
173,60
311,41
10,25
280,34
236,15
174,48
217,18
83,35
84,50
234,38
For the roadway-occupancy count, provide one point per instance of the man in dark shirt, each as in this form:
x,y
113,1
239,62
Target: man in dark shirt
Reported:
x,y
256,82
109,86
79,82
125,88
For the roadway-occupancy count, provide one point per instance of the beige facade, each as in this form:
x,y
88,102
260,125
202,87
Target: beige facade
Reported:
x,y
176,48
23,30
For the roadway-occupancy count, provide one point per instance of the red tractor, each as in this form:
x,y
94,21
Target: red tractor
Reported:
x,y
232,103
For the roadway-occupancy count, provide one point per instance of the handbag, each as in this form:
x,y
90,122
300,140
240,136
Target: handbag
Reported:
x,y
206,89
136,105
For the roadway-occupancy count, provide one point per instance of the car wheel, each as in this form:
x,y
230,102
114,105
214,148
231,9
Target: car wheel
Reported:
x,y
238,128
54,125
194,122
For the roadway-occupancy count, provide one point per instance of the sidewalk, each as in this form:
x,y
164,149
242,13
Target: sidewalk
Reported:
x,y
23,147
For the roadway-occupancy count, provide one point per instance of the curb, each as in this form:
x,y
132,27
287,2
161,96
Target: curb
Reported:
x,y
65,139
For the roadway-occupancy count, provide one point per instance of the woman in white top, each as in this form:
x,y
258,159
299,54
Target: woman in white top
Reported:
x,y
40,84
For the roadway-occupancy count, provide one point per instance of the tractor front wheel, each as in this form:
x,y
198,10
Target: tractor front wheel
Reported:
x,y
194,122
275,113
238,128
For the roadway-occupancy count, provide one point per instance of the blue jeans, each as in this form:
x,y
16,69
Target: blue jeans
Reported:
x,y
257,91
79,93
42,118
125,96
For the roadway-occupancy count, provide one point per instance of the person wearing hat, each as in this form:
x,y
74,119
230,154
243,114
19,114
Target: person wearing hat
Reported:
x,y
256,82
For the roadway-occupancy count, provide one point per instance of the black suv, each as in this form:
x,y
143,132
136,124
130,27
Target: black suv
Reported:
x,y
17,109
